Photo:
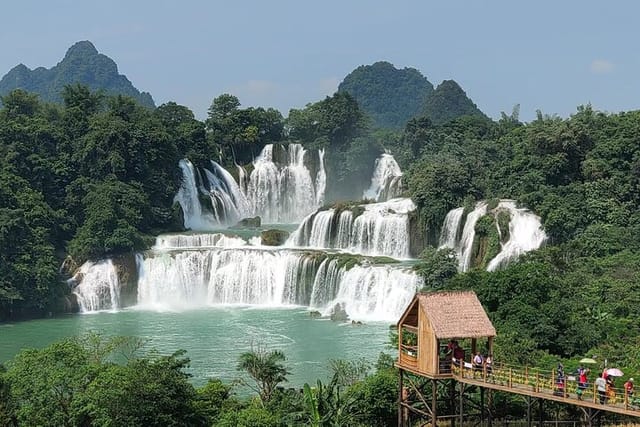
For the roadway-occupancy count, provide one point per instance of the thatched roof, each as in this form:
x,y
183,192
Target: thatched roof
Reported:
x,y
456,314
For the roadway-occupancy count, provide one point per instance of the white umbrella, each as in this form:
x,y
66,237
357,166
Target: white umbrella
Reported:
x,y
615,372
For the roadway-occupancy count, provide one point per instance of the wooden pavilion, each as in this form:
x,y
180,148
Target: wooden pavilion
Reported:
x,y
435,320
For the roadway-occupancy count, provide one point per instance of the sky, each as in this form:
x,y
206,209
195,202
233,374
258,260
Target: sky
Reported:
x,y
544,55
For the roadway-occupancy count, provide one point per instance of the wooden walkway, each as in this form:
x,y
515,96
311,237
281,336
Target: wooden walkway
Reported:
x,y
542,385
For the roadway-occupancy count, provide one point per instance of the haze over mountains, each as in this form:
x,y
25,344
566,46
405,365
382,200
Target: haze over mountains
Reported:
x,y
81,64
390,96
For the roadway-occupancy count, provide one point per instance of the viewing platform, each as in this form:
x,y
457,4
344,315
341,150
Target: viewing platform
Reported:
x,y
434,333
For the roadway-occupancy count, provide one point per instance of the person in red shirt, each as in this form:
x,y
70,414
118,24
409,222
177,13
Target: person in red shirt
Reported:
x,y
628,387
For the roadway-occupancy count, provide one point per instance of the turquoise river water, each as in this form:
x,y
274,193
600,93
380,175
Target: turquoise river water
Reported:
x,y
214,337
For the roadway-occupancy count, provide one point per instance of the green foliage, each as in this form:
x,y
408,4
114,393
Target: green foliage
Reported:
x,y
389,95
436,267
265,368
449,102
251,416
242,133
74,382
82,64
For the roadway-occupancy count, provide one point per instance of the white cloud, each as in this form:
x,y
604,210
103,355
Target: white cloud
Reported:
x,y
601,66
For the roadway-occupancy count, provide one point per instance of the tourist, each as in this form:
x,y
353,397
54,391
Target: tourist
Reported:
x,y
477,363
628,388
559,381
611,389
458,353
488,364
601,387
583,381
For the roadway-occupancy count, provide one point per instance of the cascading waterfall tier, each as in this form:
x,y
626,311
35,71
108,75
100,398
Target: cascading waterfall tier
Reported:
x,y
369,229
386,182
176,280
280,189
98,286
525,233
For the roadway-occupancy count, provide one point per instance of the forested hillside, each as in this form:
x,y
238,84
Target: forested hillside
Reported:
x,y
81,65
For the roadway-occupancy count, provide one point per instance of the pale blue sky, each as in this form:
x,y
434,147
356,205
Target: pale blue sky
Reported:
x,y
548,55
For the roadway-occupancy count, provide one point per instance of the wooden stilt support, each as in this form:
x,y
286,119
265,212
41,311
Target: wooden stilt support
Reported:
x,y
434,403
452,402
541,414
401,409
461,409
481,406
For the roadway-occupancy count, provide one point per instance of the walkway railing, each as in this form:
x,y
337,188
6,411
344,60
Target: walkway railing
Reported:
x,y
544,382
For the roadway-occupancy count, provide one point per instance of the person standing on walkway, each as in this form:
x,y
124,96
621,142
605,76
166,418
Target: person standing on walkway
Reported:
x,y
628,388
583,381
601,387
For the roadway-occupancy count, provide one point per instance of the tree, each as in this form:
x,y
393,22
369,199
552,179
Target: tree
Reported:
x,y
265,368
437,266
150,391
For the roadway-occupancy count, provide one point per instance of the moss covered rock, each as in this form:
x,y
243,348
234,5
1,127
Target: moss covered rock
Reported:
x,y
254,222
274,237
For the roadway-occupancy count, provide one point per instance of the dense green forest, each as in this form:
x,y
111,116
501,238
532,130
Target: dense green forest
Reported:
x,y
96,381
82,64
96,176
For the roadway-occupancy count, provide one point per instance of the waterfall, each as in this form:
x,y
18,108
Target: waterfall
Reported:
x,y
386,182
321,179
284,193
177,280
98,287
227,200
185,241
451,228
377,229
525,234
194,218
376,292
465,247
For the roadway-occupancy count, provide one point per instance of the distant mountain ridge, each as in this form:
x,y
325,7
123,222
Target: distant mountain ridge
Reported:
x,y
81,64
392,96
449,101
389,95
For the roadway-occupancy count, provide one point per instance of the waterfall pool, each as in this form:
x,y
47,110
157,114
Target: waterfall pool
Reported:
x,y
214,337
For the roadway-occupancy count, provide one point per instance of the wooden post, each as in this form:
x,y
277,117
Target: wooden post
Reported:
x,y
626,398
510,377
526,375
452,401
400,400
595,394
434,403
461,404
537,386
481,406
